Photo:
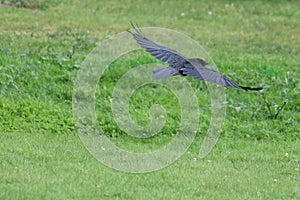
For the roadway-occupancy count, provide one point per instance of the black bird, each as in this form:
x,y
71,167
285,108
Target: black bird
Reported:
x,y
179,65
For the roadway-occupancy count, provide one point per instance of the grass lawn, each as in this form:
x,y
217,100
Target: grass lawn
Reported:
x,y
42,46
59,167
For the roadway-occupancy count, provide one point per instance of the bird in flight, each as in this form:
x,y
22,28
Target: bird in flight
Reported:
x,y
180,65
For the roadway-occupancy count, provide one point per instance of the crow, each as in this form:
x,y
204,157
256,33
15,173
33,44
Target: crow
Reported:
x,y
180,65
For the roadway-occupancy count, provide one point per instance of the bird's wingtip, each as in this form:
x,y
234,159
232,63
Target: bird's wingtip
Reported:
x,y
249,88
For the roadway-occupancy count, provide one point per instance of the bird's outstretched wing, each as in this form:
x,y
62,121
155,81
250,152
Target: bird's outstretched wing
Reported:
x,y
195,68
164,54
206,74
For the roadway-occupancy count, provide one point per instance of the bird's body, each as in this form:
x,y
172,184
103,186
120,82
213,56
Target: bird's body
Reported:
x,y
179,65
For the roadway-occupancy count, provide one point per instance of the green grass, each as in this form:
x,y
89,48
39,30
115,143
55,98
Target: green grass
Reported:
x,y
59,167
43,44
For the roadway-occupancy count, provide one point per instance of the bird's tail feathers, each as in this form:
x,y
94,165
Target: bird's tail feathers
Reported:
x,y
165,73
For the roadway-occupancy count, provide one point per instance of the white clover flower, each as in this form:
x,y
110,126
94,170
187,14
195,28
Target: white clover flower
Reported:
x,y
286,154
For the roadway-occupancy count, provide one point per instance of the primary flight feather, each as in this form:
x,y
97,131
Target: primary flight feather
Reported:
x,y
179,65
